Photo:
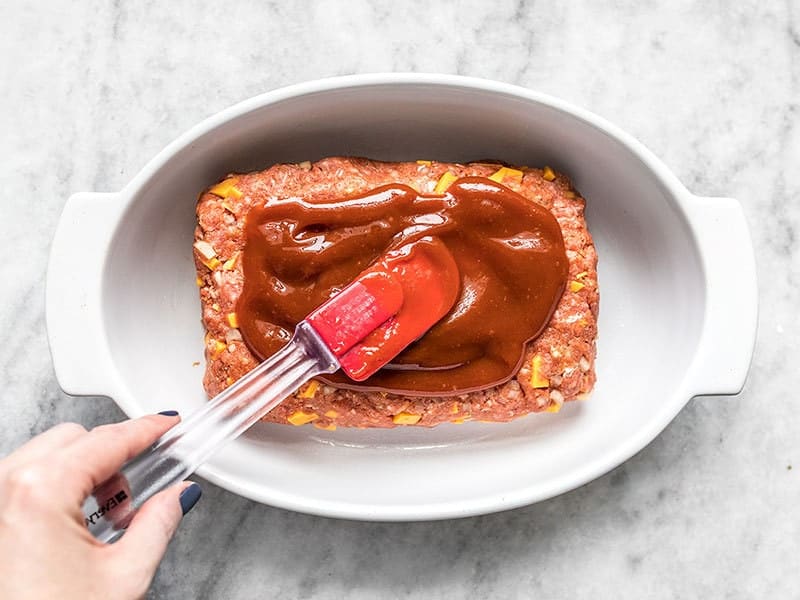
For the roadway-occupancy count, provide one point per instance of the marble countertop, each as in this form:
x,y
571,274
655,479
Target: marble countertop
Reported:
x,y
92,90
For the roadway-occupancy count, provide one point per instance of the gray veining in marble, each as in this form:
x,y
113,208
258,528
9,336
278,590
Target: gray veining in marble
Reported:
x,y
92,90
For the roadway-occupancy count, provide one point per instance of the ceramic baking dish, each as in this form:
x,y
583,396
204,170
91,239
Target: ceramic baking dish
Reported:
x,y
676,274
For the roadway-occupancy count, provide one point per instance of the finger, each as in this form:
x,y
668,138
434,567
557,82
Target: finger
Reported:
x,y
95,457
148,535
45,445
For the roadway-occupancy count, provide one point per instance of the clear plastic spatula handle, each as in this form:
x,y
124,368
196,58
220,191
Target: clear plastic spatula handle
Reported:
x,y
180,451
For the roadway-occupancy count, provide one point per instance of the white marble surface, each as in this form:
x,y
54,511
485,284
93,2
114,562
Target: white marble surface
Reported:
x,y
92,90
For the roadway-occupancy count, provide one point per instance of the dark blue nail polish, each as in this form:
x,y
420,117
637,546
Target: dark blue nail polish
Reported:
x,y
189,497
169,413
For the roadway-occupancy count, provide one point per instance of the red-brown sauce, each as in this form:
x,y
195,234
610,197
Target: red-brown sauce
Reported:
x,y
508,250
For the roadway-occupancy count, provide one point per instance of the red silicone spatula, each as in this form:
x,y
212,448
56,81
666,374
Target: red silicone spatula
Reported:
x,y
361,329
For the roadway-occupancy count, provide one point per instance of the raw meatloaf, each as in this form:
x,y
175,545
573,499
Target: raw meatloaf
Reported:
x,y
558,365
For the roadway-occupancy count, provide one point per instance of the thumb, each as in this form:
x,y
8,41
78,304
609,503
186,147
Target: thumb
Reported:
x,y
151,530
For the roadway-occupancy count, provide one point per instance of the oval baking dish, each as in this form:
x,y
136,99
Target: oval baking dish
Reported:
x,y
676,275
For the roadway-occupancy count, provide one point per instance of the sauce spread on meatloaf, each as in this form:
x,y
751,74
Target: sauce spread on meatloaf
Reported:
x,y
509,253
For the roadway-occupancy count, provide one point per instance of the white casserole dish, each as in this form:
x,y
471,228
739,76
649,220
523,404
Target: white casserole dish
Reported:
x,y
676,273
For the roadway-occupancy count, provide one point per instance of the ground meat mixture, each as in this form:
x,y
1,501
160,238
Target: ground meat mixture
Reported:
x,y
558,365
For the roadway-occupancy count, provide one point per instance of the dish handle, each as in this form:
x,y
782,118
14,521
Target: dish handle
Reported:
x,y
731,310
75,327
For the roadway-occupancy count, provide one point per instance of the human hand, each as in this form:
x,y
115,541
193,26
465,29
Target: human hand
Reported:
x,y
46,550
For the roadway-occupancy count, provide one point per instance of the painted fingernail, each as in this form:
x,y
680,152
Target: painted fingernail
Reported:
x,y
189,497
169,413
